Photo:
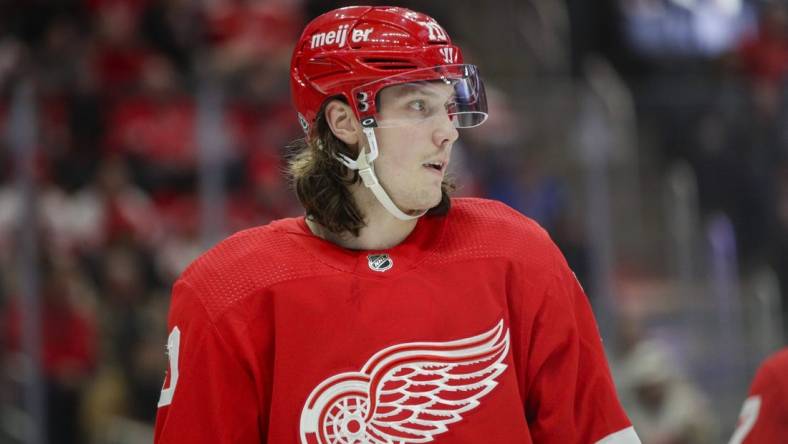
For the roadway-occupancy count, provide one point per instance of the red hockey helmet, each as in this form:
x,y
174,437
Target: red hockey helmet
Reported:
x,y
355,52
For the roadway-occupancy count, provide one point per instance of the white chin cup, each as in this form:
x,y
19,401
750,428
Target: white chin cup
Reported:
x,y
363,164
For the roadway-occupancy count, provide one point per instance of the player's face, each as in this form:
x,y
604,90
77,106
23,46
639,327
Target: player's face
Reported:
x,y
414,156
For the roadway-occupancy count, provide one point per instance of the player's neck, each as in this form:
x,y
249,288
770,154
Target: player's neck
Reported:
x,y
374,236
381,230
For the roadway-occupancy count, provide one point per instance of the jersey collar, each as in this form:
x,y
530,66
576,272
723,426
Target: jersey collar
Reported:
x,y
419,244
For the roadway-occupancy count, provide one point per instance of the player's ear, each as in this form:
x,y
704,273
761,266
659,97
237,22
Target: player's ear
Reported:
x,y
343,122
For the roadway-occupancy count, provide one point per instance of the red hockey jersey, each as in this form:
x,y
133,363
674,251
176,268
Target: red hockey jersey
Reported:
x,y
764,416
473,330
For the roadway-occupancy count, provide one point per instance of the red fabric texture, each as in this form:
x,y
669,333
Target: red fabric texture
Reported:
x,y
270,314
771,384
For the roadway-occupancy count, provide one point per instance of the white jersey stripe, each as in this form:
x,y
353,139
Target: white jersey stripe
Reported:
x,y
625,436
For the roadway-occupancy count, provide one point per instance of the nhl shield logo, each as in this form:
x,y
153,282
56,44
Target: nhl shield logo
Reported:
x,y
379,262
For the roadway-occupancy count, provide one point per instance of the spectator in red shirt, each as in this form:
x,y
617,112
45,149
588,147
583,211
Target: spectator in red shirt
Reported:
x,y
764,57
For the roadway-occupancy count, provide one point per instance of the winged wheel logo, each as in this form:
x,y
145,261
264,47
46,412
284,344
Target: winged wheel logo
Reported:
x,y
406,393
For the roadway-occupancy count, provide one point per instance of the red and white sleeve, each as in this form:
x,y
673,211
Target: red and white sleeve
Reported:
x,y
209,395
571,396
764,415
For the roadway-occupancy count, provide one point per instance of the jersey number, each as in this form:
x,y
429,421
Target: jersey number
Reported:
x,y
747,418
173,345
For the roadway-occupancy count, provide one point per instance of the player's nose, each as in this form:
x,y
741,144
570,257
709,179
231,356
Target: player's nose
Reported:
x,y
445,133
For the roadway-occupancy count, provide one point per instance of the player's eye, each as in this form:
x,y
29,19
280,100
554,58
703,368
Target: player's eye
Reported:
x,y
417,105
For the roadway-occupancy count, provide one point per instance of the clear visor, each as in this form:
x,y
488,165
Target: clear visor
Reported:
x,y
453,92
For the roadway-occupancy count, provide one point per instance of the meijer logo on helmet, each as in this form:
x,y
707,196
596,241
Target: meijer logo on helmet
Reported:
x,y
339,36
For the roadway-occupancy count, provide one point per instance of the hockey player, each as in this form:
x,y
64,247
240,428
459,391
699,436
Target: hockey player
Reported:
x,y
764,415
389,313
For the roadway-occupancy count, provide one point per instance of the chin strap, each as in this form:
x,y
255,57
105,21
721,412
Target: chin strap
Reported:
x,y
363,164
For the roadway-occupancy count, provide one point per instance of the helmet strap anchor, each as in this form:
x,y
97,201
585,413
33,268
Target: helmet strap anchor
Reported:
x,y
363,164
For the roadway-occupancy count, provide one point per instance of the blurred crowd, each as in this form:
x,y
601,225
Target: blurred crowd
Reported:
x,y
117,179
708,81
118,91
718,101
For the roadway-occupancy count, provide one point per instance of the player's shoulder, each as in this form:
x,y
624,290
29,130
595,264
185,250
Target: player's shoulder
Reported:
x,y
247,263
771,375
238,247
777,363
494,228
475,208
494,219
